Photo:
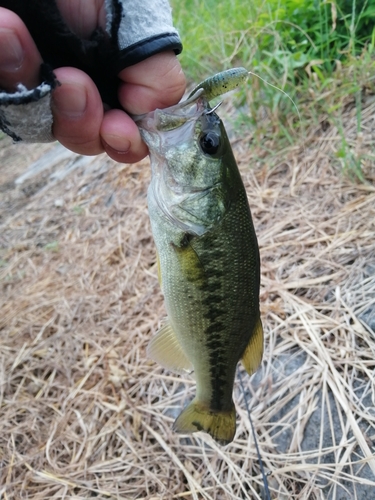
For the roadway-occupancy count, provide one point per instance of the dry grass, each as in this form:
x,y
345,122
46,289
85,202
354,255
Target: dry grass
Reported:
x,y
85,414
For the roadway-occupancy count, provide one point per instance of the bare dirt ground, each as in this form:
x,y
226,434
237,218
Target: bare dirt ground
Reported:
x,y
84,413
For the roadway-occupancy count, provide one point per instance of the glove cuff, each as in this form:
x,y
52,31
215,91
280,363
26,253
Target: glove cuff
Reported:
x,y
146,48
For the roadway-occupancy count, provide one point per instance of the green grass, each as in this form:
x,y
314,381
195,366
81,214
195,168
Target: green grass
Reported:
x,y
318,52
281,37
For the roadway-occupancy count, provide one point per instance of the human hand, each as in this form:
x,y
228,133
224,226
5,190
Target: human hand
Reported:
x,y
80,123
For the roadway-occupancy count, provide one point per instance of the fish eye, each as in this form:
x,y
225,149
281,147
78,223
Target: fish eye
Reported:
x,y
210,143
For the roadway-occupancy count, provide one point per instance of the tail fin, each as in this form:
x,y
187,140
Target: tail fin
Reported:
x,y
198,417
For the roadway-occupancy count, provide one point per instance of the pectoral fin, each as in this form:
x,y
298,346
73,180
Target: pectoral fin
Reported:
x,y
252,356
191,267
166,350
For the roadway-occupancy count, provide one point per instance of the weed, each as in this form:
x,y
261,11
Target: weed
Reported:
x,y
321,53
78,210
52,247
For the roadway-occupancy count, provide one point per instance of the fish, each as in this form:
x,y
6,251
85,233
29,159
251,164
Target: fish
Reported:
x,y
207,255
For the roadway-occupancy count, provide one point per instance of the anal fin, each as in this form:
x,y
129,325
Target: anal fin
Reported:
x,y
253,354
166,350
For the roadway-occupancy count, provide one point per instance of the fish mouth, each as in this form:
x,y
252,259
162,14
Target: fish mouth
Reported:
x,y
164,120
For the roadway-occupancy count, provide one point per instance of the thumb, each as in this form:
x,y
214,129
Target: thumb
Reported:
x,y
156,82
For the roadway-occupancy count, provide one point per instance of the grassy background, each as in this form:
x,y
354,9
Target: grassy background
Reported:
x,y
282,38
321,53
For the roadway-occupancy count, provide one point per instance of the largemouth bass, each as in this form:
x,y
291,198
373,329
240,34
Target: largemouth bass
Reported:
x,y
208,257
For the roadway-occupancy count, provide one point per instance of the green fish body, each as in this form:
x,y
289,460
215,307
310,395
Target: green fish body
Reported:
x,y
208,259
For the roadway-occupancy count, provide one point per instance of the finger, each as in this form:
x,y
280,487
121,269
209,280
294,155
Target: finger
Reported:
x,y
156,82
77,112
83,16
19,58
121,138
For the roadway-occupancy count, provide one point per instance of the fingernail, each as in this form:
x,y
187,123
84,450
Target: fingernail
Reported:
x,y
70,100
116,143
11,53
